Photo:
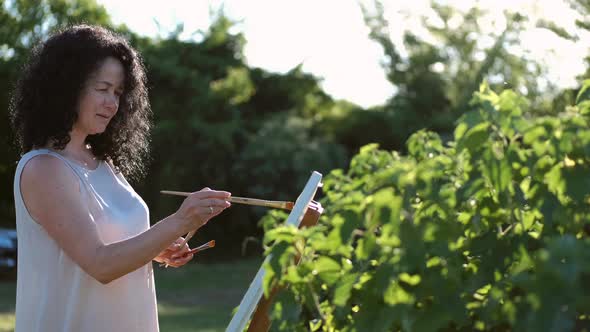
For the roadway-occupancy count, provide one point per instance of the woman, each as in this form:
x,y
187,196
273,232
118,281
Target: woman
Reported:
x,y
81,113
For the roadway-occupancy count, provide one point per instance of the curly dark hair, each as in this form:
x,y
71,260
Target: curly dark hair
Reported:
x,y
44,104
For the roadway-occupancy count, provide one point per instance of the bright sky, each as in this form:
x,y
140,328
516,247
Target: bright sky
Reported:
x,y
327,36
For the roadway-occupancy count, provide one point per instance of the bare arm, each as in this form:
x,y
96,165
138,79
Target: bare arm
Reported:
x,y
51,192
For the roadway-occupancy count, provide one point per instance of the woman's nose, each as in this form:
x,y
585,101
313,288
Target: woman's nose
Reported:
x,y
112,101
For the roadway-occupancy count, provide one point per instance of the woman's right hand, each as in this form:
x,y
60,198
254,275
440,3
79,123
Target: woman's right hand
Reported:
x,y
200,206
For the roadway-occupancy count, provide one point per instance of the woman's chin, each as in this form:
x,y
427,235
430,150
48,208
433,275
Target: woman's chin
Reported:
x,y
97,131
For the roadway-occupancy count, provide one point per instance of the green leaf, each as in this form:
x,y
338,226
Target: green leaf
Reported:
x,y
577,182
394,294
385,208
511,103
343,288
584,93
412,280
327,269
285,310
315,325
365,247
555,181
474,137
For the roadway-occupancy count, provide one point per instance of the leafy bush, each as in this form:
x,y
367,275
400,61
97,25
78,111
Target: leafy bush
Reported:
x,y
489,232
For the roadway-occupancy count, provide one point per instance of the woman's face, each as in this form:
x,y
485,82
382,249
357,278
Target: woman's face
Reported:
x,y
99,100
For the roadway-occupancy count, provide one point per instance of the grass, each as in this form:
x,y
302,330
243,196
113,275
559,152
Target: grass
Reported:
x,y
195,297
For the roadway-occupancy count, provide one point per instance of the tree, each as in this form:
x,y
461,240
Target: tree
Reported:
x,y
583,7
435,76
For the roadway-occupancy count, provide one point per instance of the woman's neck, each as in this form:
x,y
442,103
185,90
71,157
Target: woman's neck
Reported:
x,y
77,149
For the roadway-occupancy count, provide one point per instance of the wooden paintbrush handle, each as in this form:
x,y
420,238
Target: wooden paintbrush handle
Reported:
x,y
261,202
243,200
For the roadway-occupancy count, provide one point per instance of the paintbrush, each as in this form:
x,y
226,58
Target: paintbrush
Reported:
x,y
243,200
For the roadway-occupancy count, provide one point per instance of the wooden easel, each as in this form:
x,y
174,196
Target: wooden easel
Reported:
x,y
260,321
305,213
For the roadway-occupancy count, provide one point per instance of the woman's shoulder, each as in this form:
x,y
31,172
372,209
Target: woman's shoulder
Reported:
x,y
38,153
45,169
48,187
42,161
41,158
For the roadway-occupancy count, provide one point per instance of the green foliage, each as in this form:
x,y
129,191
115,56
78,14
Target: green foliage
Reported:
x,y
583,23
488,232
436,71
287,141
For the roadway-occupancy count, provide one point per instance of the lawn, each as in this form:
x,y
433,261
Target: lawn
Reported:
x,y
196,297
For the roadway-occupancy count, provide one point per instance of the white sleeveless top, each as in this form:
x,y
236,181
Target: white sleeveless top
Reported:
x,y
53,293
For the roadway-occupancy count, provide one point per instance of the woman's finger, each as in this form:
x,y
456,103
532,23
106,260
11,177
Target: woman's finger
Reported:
x,y
213,202
181,252
203,194
178,262
211,208
175,245
184,259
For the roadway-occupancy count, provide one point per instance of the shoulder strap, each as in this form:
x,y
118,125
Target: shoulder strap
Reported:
x,y
30,155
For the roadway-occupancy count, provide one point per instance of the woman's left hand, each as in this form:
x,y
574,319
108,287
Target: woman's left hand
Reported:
x,y
174,255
